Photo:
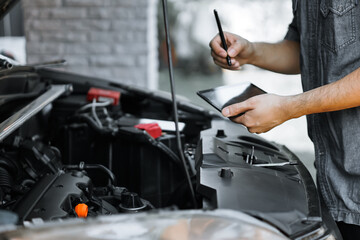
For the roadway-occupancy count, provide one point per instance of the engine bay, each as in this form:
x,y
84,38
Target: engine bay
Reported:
x,y
80,149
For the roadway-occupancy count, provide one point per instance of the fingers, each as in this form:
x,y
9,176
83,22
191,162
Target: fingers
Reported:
x,y
222,62
236,46
236,109
223,65
260,113
218,58
244,109
236,49
215,45
252,126
243,119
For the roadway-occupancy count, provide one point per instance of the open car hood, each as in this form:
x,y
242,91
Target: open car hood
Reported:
x,y
5,6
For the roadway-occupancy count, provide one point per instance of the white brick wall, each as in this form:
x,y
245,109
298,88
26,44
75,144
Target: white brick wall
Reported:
x,y
106,38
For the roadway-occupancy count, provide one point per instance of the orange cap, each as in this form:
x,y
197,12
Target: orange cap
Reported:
x,y
81,210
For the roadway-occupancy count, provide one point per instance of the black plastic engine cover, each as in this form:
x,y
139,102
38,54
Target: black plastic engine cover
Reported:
x,y
51,197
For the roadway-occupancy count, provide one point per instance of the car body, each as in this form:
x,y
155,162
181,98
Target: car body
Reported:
x,y
68,139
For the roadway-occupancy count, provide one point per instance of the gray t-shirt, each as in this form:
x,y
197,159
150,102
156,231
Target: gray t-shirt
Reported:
x,y
329,35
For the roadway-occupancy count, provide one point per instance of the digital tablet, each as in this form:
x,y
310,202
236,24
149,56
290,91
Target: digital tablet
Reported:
x,y
221,97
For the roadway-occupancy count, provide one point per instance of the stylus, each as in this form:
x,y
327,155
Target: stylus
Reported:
x,y
222,36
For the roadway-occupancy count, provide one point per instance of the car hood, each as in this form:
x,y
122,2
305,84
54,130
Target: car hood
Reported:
x,y
5,6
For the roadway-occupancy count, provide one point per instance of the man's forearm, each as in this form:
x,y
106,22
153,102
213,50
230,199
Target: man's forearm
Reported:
x,y
342,94
282,57
264,112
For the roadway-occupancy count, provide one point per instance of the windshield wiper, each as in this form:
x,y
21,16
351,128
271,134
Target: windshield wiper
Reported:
x,y
251,159
274,164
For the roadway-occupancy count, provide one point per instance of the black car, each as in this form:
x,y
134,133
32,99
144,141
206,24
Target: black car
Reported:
x,y
89,158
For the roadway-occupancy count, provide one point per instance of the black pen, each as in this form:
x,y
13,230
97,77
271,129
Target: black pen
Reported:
x,y
222,37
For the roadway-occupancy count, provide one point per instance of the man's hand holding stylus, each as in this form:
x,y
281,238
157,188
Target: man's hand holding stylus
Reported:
x,y
240,50
281,57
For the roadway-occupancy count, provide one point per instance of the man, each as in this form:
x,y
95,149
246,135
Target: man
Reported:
x,y
323,44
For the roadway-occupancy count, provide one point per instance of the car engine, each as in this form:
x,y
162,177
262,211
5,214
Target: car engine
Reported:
x,y
81,151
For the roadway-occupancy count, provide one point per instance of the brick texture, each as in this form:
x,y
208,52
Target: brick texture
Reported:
x,y
113,39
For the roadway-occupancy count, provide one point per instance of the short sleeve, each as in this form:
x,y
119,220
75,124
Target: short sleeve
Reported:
x,y
293,32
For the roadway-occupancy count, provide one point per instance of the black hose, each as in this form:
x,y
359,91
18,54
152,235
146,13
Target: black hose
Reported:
x,y
104,169
5,178
162,147
168,152
89,120
83,166
92,123
27,182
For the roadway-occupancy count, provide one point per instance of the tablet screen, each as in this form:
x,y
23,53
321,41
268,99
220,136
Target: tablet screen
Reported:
x,y
221,97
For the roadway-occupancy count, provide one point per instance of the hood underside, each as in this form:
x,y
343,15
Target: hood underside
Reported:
x,y
5,6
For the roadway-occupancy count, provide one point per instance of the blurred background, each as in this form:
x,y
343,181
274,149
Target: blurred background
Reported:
x,y
124,41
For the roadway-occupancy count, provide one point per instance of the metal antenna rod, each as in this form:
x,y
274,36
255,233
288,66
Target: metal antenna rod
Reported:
x,y
176,117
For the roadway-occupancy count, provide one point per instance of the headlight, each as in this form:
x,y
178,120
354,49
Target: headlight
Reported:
x,y
196,224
